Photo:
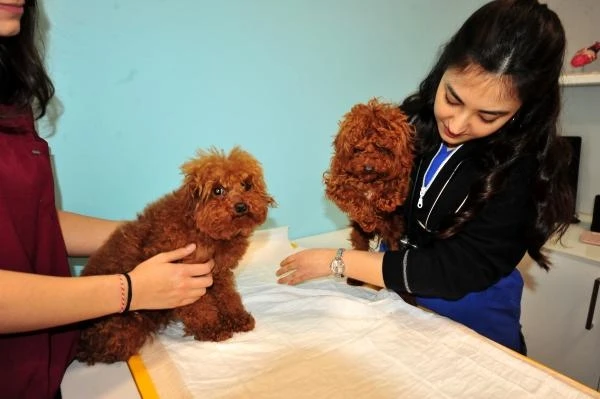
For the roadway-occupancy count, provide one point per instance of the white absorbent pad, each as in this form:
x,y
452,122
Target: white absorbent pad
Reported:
x,y
325,339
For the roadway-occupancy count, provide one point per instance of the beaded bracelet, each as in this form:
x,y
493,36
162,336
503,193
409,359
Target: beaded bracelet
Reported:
x,y
126,294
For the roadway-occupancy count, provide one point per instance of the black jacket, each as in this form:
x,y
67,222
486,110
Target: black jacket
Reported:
x,y
487,248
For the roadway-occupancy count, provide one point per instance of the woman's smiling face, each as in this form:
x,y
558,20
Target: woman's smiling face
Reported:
x,y
471,103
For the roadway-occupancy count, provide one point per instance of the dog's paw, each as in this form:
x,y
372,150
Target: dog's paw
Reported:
x,y
114,349
206,325
113,339
242,322
228,325
211,334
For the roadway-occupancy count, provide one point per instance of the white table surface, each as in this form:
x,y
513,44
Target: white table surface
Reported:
x,y
104,381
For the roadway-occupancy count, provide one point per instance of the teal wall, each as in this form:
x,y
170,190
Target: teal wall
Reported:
x,y
141,84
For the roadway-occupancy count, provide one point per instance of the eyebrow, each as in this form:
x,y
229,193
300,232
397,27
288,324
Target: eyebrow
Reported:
x,y
483,111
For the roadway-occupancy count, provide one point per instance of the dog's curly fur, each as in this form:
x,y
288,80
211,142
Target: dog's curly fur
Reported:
x,y
222,200
369,175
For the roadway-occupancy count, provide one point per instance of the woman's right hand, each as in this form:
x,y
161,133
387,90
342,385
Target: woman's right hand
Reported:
x,y
158,283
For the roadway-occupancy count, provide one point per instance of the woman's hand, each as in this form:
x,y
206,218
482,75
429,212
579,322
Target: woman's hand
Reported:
x,y
305,265
158,283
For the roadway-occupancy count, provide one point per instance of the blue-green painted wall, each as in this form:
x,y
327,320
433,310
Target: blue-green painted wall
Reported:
x,y
141,84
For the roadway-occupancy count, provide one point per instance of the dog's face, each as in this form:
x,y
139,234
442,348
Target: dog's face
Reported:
x,y
371,164
374,142
227,192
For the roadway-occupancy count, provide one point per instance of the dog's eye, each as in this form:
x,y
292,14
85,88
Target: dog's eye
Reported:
x,y
383,149
218,191
247,185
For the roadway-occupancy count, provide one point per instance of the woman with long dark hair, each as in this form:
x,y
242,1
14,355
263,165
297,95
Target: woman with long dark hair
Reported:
x,y
490,178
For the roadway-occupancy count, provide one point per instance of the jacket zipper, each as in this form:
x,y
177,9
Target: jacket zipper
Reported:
x,y
405,240
425,187
439,195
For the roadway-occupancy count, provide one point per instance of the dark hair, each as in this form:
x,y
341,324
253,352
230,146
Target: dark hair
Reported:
x,y
23,78
524,41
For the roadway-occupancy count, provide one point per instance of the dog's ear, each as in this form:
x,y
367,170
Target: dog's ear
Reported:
x,y
252,167
199,174
349,132
352,128
393,130
403,133
339,139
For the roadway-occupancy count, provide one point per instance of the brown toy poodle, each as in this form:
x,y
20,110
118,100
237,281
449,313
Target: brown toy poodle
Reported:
x,y
369,175
222,200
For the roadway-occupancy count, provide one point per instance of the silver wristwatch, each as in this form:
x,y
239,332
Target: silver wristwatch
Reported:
x,y
337,265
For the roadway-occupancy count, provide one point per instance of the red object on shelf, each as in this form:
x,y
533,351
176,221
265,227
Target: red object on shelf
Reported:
x,y
584,56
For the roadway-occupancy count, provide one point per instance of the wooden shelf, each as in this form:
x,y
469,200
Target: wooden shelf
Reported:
x,y
580,79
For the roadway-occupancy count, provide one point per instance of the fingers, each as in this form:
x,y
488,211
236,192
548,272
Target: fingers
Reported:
x,y
196,294
286,265
198,269
303,265
287,261
283,270
195,288
178,254
291,277
202,282
193,297
287,272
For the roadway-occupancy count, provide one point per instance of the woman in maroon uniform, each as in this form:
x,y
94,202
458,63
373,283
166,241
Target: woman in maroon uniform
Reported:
x,y
39,301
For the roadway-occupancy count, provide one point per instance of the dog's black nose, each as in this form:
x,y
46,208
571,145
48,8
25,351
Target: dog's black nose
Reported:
x,y
240,207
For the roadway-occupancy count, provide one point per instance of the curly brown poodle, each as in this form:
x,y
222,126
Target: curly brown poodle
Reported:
x,y
222,200
369,175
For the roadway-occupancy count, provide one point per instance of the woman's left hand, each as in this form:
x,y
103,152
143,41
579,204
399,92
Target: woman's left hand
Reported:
x,y
305,265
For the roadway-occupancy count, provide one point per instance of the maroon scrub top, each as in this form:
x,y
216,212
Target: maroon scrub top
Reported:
x,y
32,364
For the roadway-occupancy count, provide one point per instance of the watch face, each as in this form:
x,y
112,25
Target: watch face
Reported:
x,y
337,266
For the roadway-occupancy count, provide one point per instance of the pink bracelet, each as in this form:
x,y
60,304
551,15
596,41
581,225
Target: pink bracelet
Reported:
x,y
123,297
126,293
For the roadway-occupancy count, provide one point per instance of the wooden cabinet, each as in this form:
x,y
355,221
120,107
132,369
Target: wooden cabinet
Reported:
x,y
555,308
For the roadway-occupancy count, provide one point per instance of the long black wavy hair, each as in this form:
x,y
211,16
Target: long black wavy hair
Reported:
x,y
524,41
23,79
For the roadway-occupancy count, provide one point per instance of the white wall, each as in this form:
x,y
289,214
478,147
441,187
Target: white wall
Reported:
x,y
581,112
581,117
